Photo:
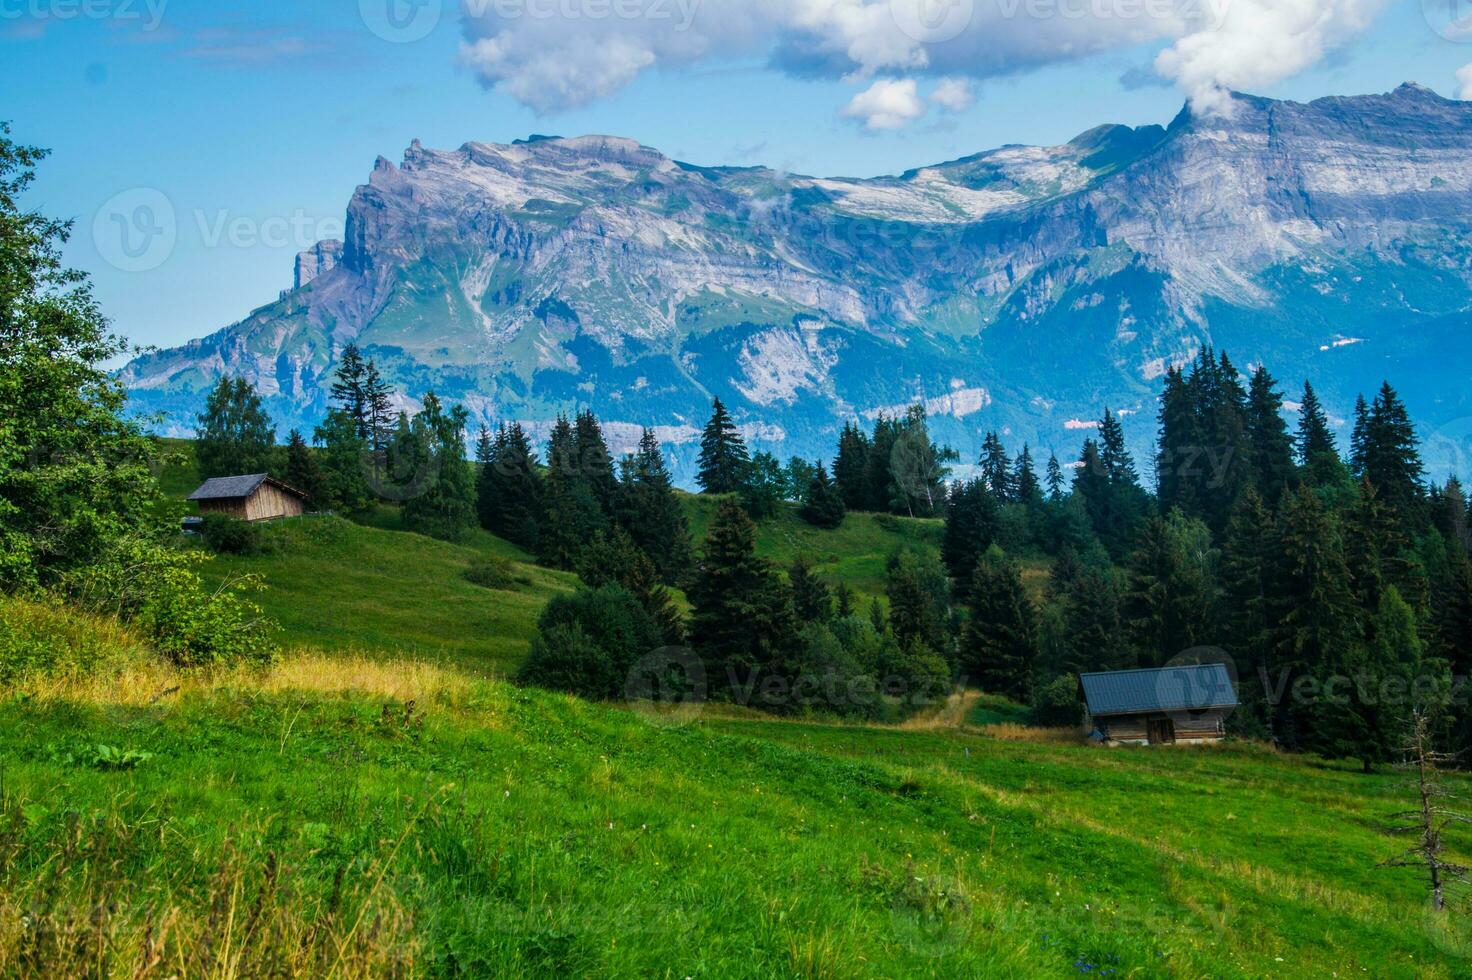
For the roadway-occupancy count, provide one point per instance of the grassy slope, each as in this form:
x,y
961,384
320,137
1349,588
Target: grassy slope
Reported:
x,y
516,833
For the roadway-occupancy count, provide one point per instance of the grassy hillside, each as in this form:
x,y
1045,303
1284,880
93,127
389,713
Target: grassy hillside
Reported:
x,y
339,586
352,817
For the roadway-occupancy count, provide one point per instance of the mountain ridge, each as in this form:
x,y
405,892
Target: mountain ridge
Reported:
x,y
1020,289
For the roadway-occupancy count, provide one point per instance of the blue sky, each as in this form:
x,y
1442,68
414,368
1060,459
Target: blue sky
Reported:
x,y
253,125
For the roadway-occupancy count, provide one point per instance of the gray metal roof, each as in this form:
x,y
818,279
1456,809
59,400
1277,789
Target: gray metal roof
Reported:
x,y
1183,688
237,487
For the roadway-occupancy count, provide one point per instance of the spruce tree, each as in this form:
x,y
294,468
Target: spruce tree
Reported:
x,y
613,559
742,622
918,612
1269,445
1180,449
1172,587
996,468
234,435
349,389
650,511
878,476
972,523
1315,438
377,397
572,513
851,468
723,455
509,495
345,485
1359,436
999,648
1369,718
594,463
445,506
302,471
1025,479
1391,459
1246,577
1055,479
822,504
1311,614
811,599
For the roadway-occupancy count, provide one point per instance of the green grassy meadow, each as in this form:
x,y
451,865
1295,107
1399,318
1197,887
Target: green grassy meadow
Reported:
x,y
381,802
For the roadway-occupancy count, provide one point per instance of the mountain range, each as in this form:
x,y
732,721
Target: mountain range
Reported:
x,y
1021,290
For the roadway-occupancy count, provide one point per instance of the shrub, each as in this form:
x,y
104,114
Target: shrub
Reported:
x,y
587,643
830,678
1056,705
227,535
159,589
495,572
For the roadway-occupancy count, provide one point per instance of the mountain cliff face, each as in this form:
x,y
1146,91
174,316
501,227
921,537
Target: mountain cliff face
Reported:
x,y
1022,289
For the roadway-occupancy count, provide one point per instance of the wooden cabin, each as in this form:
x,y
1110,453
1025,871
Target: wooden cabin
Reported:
x,y
1187,703
260,497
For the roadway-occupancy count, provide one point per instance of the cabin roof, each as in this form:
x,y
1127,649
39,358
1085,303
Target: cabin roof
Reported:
x,y
1189,687
238,487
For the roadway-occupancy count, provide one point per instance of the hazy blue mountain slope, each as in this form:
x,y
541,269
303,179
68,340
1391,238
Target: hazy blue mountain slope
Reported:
x,y
1021,289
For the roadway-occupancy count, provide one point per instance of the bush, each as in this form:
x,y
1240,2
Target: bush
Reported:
x,y
587,643
227,535
831,678
495,572
159,590
1056,705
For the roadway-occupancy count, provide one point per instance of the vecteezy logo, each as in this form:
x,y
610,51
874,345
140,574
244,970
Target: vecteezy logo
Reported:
x,y
1451,19
136,230
667,686
932,21
401,21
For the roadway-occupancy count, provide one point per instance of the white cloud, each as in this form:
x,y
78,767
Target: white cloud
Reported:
x,y
890,103
954,95
1256,43
554,55
1464,82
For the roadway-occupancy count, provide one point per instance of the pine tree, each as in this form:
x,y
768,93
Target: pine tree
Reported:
x,y
509,495
822,503
1180,445
349,390
723,456
996,468
1246,577
234,435
1094,626
650,511
1269,445
851,468
302,471
999,647
742,623
1367,720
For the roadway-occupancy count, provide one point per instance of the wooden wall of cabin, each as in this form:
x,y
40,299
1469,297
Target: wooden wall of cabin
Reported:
x,y
1188,727
230,508
269,503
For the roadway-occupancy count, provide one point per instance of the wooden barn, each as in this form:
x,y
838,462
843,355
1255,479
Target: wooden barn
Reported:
x,y
251,498
1188,703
